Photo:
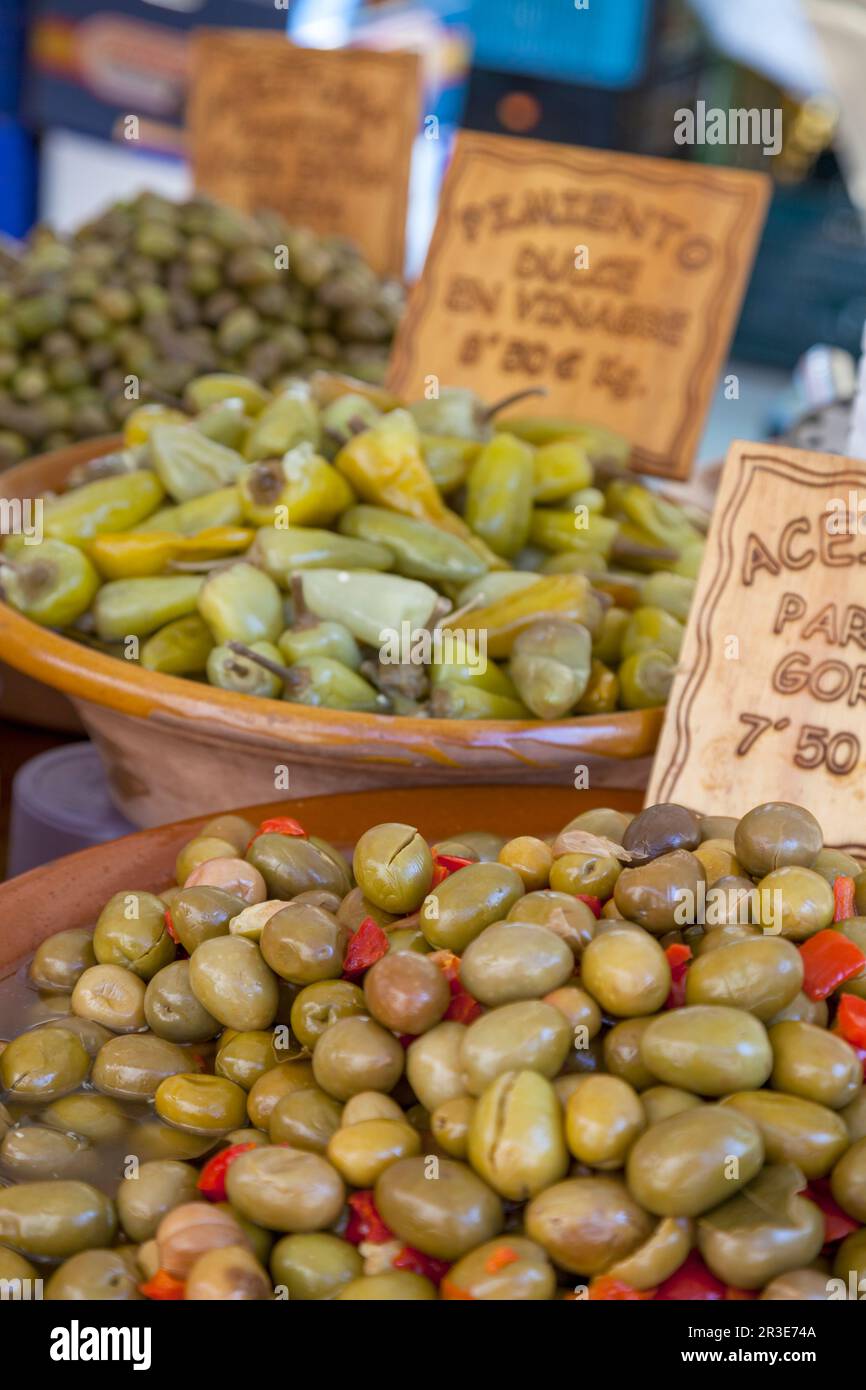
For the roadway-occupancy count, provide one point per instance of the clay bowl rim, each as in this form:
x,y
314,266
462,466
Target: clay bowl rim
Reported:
x,y
28,900
90,675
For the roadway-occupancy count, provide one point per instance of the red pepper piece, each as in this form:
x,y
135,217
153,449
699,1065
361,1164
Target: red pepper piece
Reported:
x,y
594,904
365,1223
407,1039
679,955
837,1223
691,1283
503,1255
733,1295
368,945
452,1293
464,1008
606,1289
163,1287
279,825
844,898
417,1263
851,1020
169,926
448,963
212,1178
829,959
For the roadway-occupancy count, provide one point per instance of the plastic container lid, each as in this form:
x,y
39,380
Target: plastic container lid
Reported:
x,y
60,804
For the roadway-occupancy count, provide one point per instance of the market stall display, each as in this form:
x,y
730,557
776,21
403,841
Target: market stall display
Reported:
x,y
153,293
483,1067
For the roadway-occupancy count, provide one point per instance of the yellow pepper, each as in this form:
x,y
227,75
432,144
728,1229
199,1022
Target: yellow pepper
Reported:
x,y
300,489
553,596
134,555
140,422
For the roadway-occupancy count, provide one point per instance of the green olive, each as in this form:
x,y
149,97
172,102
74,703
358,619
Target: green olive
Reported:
x,y
692,1161
595,874
264,1094
587,1223
14,1267
112,996
797,1286
603,1118
133,1066
854,1115
775,835
850,1259
361,1152
200,1104
98,1119
449,1125
305,1119
171,1009
355,907
516,1140
357,1054
760,974
848,1181
515,960
35,1151
796,901
708,1049
95,1275
244,1057
434,1066
659,1257
236,829
304,944
317,1007
131,931
43,1064
393,867
229,1272
622,1052
763,1231
154,1188
561,913
199,914
290,865
814,1064
400,1286
528,1035
626,971
468,901
61,958
285,1189
199,851
230,979
525,1275
794,1130
53,1220
314,1266
438,1206
661,1101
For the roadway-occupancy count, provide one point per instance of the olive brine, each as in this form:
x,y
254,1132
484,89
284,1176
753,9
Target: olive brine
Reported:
x,y
479,1069
326,545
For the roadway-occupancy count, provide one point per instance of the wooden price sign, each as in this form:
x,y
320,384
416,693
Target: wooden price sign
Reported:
x,y
323,136
769,703
612,280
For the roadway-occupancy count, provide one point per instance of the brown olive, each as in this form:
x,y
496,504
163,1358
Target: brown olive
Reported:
x,y
663,893
230,1273
586,1224
660,829
233,875
406,992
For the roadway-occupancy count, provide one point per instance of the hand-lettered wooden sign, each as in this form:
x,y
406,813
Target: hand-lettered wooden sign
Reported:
x,y
612,280
322,136
769,703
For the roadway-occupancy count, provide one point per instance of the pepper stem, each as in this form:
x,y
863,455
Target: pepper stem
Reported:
x,y
512,399
284,672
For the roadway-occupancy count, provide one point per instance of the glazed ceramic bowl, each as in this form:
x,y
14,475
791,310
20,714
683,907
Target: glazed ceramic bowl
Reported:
x,y
174,747
72,891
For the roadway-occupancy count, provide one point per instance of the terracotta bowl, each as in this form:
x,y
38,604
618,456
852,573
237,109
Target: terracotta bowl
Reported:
x,y
174,747
72,891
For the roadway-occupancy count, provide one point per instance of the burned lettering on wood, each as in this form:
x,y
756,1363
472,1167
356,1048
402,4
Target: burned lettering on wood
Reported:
x,y
779,715
322,136
612,280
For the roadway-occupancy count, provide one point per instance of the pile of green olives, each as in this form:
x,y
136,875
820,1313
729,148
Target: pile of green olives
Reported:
x,y
594,1065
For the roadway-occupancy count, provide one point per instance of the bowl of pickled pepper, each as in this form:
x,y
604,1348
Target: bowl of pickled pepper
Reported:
x,y
322,587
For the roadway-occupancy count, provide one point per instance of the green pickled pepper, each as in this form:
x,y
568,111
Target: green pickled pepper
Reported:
x,y
288,420
550,666
322,681
138,607
181,648
499,492
672,592
230,670
448,459
420,550
599,443
559,469
345,416
498,584
320,639
281,552
607,646
52,583
220,508
652,629
109,504
226,422
456,411
214,388
241,604
453,699
299,489
368,603
555,529
189,464
645,679
601,695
